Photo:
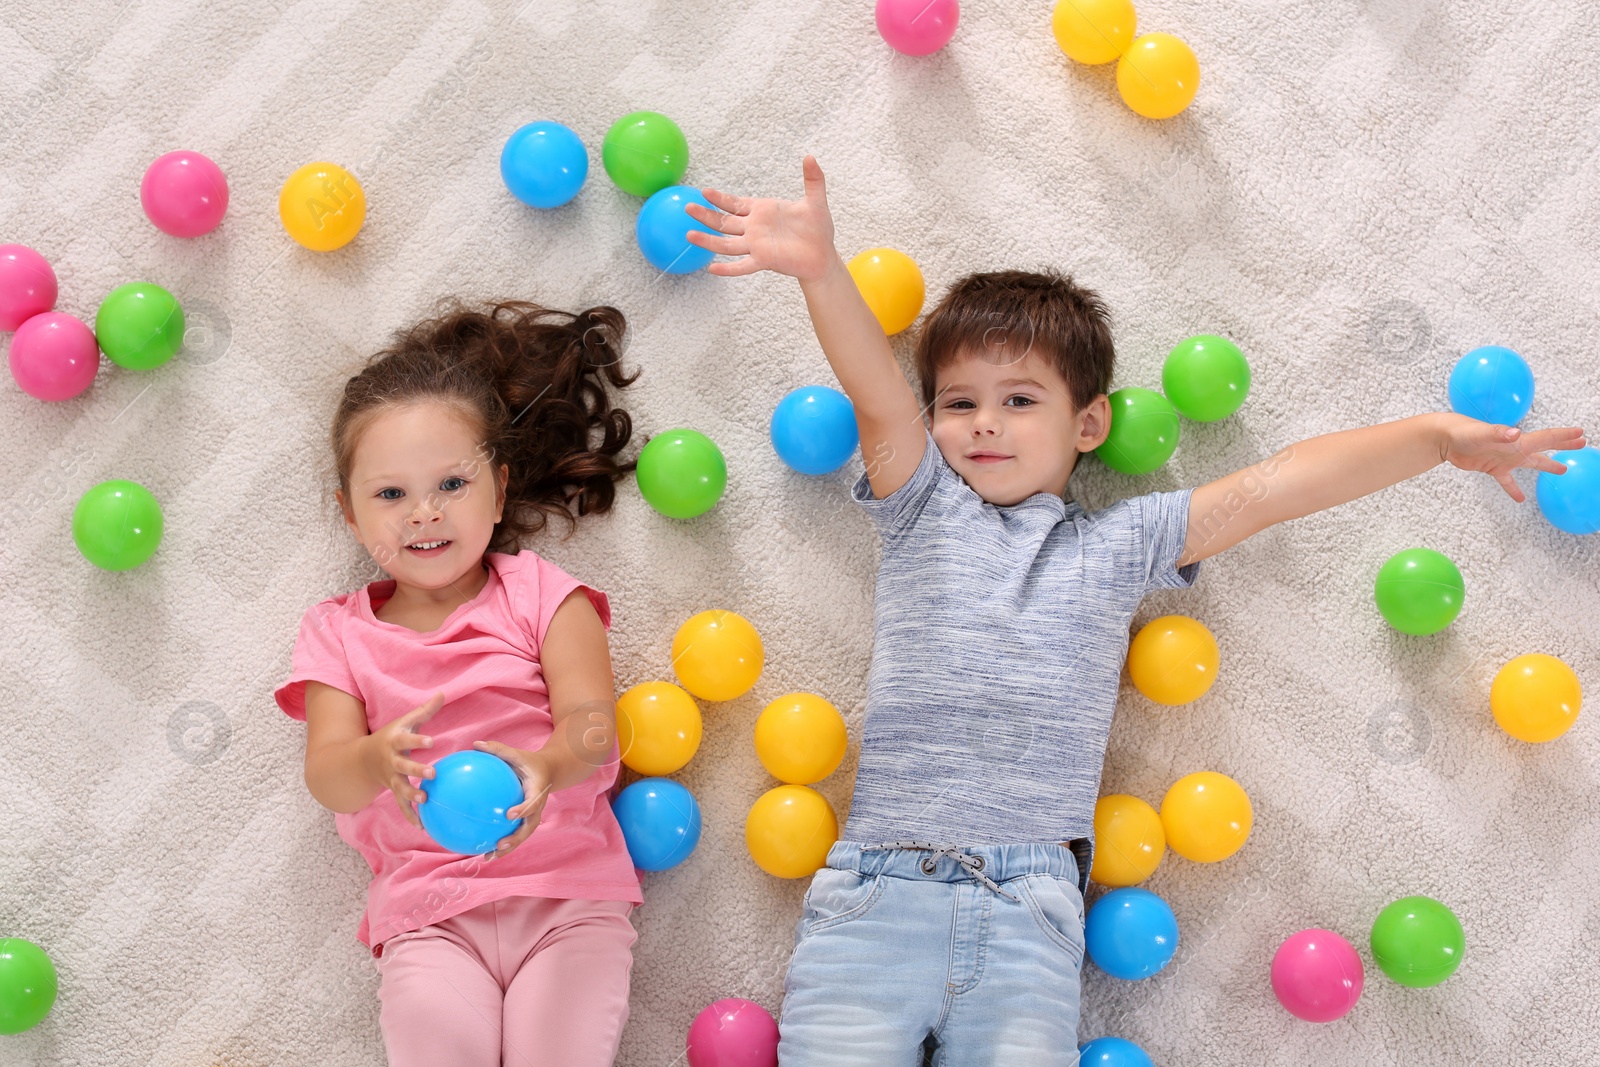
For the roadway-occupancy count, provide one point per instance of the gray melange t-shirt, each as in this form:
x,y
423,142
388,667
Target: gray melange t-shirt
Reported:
x,y
998,644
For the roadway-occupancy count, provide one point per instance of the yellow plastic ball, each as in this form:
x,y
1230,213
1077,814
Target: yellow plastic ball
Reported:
x,y
322,206
717,655
1535,697
891,283
1206,816
789,831
1158,75
1093,31
1129,841
801,738
658,728
1173,659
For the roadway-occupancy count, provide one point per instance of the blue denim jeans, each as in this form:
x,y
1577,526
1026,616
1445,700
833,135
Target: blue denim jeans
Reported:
x,y
974,952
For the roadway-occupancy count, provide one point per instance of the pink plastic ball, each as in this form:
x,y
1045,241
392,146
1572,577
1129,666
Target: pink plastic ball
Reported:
x,y
1317,975
733,1033
918,27
184,193
27,285
54,356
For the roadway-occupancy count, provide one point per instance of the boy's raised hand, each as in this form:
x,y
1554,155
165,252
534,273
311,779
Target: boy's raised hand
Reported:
x,y
793,237
1498,450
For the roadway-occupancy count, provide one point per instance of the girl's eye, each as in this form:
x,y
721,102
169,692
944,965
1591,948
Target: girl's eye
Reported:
x,y
444,485
1029,399
958,403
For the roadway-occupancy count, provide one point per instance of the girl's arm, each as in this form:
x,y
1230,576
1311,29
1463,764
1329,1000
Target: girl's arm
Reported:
x,y
346,766
1326,471
576,662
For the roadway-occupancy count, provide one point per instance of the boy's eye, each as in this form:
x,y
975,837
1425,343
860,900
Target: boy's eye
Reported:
x,y
959,403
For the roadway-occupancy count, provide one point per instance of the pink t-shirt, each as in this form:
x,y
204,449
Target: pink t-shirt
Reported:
x,y
485,659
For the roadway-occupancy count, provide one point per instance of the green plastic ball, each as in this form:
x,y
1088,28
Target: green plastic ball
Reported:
x,y
1418,941
1144,431
117,525
682,473
644,152
1419,591
1206,378
28,985
139,326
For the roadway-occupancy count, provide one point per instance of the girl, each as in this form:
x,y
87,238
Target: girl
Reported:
x,y
450,446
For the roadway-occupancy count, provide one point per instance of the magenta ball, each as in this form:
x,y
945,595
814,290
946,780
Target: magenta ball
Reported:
x,y
184,193
27,285
918,27
733,1033
1317,976
54,356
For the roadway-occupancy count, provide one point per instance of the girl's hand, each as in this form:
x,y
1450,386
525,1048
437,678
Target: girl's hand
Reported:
x,y
793,237
534,770
387,763
1498,450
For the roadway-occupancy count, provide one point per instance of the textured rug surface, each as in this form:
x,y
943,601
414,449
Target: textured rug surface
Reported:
x,y
1360,193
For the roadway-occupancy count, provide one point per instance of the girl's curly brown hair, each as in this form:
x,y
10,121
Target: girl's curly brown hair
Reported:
x,y
532,380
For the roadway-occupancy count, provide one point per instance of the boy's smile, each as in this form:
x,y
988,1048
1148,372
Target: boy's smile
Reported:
x,y
1009,428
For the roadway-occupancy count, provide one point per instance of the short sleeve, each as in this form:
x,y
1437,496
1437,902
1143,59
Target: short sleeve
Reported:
x,y
1164,524
318,656
900,508
553,587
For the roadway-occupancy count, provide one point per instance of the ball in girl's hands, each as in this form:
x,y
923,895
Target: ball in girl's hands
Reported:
x,y
733,1032
468,797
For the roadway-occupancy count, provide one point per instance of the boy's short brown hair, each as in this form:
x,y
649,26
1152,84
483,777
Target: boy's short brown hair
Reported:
x,y
1004,315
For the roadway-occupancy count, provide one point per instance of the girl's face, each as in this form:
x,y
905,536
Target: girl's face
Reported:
x,y
1008,428
421,475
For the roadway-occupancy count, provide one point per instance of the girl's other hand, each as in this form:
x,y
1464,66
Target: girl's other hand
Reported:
x,y
387,762
1496,450
793,237
536,776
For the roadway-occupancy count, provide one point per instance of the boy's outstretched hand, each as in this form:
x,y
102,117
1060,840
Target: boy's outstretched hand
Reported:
x,y
1498,450
793,237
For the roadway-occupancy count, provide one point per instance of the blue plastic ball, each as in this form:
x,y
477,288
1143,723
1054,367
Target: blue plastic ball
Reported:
x,y
814,429
1571,501
663,229
1492,384
468,797
660,822
1131,933
1112,1052
544,164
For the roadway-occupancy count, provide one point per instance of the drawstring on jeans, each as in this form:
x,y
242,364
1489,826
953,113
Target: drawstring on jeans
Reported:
x,y
972,864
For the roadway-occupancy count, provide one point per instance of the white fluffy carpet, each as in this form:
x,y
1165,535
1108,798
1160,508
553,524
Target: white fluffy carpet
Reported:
x,y
1360,193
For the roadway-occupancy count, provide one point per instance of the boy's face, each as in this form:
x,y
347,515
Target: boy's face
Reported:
x,y
1009,428
420,475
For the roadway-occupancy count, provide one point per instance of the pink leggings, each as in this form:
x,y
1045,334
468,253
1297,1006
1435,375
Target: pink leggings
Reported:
x,y
518,982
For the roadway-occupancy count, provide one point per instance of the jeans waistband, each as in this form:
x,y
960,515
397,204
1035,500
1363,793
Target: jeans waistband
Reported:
x,y
990,865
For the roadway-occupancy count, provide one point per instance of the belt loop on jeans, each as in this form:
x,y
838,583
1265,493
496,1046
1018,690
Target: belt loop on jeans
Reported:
x,y
973,865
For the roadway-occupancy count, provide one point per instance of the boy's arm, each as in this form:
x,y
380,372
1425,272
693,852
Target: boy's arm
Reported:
x,y
1325,471
796,238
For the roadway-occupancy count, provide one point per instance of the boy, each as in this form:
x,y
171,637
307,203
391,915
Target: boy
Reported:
x,y
950,912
